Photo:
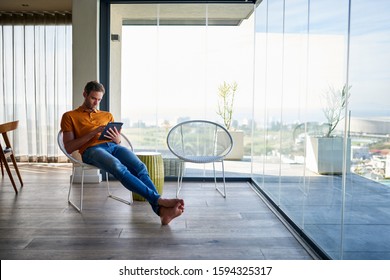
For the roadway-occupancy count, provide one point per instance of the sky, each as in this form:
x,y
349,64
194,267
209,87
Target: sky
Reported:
x,y
175,71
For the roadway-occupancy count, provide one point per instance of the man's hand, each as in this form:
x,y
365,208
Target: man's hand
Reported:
x,y
114,135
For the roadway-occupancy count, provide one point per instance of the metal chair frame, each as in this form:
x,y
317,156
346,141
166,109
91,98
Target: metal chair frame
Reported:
x,y
200,156
78,163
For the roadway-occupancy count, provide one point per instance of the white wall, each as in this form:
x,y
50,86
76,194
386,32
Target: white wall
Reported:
x,y
85,30
116,63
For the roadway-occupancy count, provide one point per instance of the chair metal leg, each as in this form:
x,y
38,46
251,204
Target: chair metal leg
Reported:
x,y
129,202
81,191
223,193
179,179
80,209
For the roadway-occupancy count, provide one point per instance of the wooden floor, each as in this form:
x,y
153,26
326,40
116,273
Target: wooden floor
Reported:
x,y
39,224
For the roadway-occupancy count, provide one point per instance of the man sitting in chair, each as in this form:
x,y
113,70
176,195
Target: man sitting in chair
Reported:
x,y
81,130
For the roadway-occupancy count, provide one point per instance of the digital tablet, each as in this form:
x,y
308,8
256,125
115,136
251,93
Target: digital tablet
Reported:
x,y
118,126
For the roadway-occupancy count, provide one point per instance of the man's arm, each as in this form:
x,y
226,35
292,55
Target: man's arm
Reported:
x,y
72,144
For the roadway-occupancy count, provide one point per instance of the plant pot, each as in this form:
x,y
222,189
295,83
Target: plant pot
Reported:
x,y
237,152
324,155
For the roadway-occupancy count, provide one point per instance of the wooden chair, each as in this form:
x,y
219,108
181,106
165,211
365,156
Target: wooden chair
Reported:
x,y
200,141
75,159
7,152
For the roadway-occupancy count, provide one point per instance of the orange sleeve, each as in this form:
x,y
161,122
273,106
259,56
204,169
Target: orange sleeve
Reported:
x,y
66,123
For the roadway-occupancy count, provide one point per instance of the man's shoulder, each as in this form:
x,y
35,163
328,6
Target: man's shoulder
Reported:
x,y
71,115
74,111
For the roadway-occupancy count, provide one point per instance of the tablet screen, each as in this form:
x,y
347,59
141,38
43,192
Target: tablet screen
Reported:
x,y
118,126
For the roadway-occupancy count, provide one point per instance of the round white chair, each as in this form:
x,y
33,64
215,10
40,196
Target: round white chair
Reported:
x,y
200,141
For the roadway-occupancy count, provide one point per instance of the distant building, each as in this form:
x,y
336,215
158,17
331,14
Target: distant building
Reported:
x,y
360,152
377,126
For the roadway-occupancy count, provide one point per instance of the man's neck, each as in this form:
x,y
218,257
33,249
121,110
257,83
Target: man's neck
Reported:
x,y
86,109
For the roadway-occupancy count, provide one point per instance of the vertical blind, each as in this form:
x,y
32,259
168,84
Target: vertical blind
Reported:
x,y
36,80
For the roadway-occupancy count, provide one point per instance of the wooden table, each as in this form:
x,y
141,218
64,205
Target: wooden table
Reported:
x,y
155,165
7,151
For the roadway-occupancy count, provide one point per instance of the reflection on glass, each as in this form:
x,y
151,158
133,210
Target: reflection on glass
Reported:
x,y
308,58
286,58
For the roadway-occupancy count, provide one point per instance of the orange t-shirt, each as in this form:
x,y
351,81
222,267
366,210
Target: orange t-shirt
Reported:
x,y
81,121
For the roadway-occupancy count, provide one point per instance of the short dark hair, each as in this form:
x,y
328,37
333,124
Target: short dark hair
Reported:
x,y
93,86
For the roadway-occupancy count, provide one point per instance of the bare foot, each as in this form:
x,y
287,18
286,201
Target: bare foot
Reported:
x,y
170,202
167,214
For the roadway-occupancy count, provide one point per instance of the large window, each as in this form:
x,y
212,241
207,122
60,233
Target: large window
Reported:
x,y
305,69
309,55
174,59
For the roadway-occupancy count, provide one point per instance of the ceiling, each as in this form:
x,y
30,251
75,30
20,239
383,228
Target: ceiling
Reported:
x,y
183,14
35,5
220,14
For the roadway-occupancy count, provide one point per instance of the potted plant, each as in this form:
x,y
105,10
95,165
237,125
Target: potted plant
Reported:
x,y
335,102
226,95
324,154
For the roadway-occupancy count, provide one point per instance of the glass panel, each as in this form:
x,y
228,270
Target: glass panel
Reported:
x,y
139,60
367,209
174,61
327,69
230,52
305,56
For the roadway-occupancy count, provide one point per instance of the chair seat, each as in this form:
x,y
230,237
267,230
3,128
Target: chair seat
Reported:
x,y
202,159
84,165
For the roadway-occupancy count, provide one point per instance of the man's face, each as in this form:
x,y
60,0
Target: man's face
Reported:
x,y
92,100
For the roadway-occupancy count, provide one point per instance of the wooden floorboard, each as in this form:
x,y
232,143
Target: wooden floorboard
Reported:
x,y
39,224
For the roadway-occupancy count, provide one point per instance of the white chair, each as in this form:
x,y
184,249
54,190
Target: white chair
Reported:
x,y
76,161
200,141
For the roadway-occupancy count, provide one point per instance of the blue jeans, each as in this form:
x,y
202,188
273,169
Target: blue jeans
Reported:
x,y
125,166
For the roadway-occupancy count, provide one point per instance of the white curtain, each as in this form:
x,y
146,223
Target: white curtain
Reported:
x,y
36,82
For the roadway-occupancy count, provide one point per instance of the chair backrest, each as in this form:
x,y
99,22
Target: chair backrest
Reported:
x,y
199,138
75,157
126,142
5,127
